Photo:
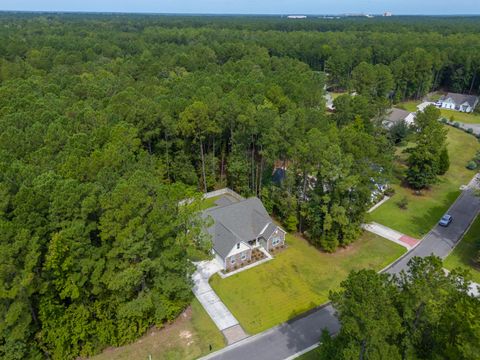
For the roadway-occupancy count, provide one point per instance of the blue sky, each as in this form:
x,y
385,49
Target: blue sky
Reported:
x,y
446,7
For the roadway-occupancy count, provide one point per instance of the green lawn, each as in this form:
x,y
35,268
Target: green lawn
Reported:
x,y
298,279
189,337
468,118
464,253
408,105
425,210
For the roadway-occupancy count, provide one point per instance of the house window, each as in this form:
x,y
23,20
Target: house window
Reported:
x,y
238,246
232,260
244,256
276,240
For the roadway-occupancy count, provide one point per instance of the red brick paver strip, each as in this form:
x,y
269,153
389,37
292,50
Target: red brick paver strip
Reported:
x,y
409,240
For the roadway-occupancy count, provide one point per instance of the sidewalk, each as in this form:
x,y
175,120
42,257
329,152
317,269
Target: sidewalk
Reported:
x,y
216,309
392,235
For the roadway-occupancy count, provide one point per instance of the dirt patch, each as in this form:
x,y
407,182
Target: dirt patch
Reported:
x,y
164,336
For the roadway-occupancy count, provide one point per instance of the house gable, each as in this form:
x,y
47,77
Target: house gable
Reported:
x,y
238,248
238,223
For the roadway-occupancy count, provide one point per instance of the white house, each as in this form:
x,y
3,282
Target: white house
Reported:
x,y
458,102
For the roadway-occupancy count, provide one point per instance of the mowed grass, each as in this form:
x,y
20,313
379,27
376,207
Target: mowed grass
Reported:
x,y
468,118
425,210
408,105
311,355
464,254
297,280
188,337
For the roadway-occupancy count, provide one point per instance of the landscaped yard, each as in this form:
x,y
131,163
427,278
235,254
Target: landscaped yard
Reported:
x,y
298,279
465,252
425,210
189,337
408,105
468,118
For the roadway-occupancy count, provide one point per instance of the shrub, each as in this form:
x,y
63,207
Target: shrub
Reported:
x,y
403,203
470,130
456,124
472,165
444,120
443,162
390,191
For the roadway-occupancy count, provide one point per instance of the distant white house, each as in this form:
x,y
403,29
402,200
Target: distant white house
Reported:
x,y
296,17
458,102
394,116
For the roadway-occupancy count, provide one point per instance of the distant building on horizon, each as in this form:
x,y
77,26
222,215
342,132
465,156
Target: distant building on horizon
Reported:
x,y
387,13
296,17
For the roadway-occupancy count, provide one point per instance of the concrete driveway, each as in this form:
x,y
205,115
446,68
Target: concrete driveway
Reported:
x,y
216,309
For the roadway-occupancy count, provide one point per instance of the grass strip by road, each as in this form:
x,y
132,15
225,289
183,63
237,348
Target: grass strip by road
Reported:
x,y
466,251
297,280
425,210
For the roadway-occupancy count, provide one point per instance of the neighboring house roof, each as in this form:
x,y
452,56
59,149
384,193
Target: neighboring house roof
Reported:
x,y
395,115
237,222
460,99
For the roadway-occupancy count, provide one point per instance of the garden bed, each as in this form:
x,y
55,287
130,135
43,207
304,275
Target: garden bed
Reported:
x,y
257,256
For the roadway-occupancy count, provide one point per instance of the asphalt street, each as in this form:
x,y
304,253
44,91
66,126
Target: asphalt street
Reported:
x,y
296,335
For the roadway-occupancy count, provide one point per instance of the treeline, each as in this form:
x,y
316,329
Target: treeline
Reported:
x,y
423,53
107,123
421,313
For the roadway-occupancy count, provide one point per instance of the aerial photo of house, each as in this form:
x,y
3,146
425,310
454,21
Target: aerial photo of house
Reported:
x,y
239,228
459,102
394,116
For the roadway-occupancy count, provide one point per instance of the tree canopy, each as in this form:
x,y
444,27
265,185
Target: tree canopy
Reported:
x,y
108,121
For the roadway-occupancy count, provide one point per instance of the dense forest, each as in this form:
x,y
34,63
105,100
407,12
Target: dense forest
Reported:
x,y
107,122
418,314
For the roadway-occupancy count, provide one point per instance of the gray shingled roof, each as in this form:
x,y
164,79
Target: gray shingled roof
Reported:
x,y
269,231
396,115
240,221
223,201
460,99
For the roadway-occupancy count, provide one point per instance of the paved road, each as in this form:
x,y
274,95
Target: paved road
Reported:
x,y
440,240
290,338
284,340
